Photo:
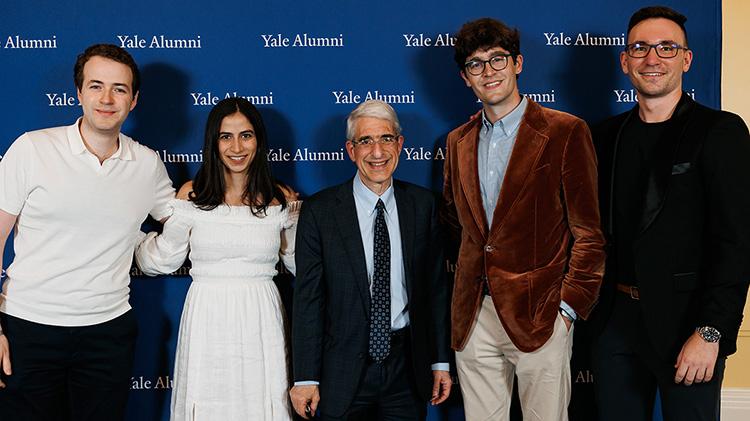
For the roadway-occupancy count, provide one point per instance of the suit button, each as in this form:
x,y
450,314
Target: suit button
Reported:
x,y
488,248
361,355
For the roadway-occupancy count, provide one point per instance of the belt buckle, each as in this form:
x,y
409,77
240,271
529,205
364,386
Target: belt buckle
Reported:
x,y
635,293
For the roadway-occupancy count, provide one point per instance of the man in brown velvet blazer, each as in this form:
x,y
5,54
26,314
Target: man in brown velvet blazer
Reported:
x,y
521,186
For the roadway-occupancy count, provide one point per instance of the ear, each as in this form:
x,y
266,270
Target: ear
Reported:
x,y
687,60
624,62
465,78
350,150
519,64
135,101
400,143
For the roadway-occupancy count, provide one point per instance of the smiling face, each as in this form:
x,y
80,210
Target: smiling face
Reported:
x,y
497,89
105,95
236,144
653,76
376,162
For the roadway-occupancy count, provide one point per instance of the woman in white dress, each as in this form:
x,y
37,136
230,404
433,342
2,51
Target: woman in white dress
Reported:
x,y
231,360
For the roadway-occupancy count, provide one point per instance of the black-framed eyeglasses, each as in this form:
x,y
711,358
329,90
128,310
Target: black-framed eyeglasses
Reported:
x,y
497,62
386,139
666,49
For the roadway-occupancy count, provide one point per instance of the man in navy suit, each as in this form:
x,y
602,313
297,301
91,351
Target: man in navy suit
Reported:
x,y
370,320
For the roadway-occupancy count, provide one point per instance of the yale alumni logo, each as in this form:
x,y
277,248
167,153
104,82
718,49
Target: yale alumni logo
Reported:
x,y
143,383
421,40
301,40
304,155
630,95
349,97
583,39
209,98
19,42
158,41
61,100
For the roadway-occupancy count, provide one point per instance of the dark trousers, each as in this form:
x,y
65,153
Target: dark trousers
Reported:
x,y
627,372
68,373
387,390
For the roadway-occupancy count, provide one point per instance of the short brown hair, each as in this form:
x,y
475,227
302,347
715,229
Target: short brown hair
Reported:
x,y
111,52
485,33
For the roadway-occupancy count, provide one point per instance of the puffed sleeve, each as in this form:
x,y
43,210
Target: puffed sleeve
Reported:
x,y
159,254
288,233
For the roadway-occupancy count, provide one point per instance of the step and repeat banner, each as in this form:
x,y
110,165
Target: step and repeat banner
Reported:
x,y
306,65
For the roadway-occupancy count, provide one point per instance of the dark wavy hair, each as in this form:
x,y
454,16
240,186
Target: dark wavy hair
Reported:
x,y
209,186
111,52
485,33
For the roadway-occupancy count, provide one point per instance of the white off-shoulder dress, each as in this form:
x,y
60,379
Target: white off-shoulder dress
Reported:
x,y
231,360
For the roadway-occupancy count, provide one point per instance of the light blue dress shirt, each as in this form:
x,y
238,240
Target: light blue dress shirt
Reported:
x,y
493,154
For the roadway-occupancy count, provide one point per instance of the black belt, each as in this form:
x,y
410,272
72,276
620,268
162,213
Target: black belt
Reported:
x,y
630,290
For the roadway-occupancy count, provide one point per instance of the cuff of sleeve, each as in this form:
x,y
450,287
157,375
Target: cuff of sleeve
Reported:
x,y
441,367
307,383
568,310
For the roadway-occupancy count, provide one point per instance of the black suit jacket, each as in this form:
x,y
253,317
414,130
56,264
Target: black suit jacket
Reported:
x,y
332,297
691,250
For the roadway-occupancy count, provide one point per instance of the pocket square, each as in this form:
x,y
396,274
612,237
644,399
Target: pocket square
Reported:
x,y
680,168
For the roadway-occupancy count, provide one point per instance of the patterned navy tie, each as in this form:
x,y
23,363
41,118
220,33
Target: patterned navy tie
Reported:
x,y
380,297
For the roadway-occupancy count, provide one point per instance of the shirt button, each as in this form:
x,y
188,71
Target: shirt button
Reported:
x,y
488,248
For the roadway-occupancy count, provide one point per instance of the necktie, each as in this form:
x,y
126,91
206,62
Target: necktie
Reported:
x,y
380,297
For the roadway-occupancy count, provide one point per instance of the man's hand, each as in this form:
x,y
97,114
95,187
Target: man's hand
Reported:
x,y
696,361
4,358
441,386
305,400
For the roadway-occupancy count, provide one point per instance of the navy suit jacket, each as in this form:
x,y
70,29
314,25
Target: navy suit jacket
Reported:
x,y
331,313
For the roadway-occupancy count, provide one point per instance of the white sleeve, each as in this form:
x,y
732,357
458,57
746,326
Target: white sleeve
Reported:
x,y
159,254
288,233
15,170
163,191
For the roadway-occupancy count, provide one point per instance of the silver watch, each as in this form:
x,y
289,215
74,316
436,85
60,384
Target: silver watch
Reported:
x,y
709,334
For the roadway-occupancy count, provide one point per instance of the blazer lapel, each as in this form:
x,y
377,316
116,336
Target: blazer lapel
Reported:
x,y
351,240
469,175
530,142
406,223
660,167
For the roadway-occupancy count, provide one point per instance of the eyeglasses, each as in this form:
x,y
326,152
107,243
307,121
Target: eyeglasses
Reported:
x,y
664,49
385,140
476,67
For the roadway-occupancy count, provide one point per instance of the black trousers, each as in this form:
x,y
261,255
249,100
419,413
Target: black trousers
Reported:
x,y
627,372
68,373
387,390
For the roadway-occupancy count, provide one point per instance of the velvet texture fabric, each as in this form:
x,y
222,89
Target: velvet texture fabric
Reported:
x,y
545,243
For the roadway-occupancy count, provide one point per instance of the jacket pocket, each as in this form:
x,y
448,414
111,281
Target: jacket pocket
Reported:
x,y
686,281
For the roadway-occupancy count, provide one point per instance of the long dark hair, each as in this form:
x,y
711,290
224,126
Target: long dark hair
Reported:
x,y
209,186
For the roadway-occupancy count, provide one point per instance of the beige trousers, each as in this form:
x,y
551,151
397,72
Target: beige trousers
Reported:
x,y
488,363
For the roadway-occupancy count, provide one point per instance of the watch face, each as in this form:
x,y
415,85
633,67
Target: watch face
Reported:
x,y
709,334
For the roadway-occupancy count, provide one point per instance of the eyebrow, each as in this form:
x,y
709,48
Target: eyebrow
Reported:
x,y
115,84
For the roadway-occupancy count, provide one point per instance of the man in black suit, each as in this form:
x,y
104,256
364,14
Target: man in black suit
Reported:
x,y
370,325
675,206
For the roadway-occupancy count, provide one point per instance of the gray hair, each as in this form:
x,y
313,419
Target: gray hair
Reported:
x,y
375,109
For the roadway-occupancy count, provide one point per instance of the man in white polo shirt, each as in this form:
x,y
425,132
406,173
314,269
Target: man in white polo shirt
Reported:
x,y
75,197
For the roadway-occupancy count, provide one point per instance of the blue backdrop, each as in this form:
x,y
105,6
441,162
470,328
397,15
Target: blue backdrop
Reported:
x,y
306,65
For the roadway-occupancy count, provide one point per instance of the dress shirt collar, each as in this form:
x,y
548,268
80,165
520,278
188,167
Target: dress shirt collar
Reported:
x,y
366,198
508,124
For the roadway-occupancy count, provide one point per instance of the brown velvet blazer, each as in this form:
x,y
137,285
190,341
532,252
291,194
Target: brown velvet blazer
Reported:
x,y
545,243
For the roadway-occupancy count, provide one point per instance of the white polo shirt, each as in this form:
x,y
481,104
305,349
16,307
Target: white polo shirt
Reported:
x,y
77,224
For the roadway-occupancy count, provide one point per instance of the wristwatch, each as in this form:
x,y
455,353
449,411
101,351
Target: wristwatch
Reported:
x,y
709,334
